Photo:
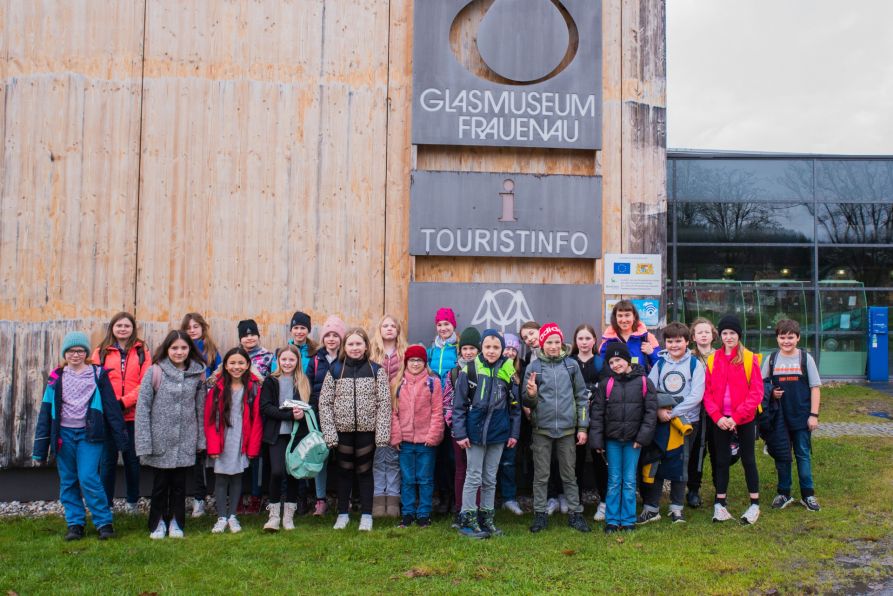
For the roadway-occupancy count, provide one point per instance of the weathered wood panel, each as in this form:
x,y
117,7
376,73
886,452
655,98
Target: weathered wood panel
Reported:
x,y
610,158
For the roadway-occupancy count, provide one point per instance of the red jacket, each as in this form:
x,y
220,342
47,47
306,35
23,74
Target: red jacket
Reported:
x,y
126,385
745,397
419,414
252,425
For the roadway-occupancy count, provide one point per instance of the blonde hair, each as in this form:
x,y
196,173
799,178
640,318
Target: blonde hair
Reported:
x,y
398,380
302,383
376,352
359,332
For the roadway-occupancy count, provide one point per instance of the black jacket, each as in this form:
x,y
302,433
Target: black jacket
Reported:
x,y
316,372
273,415
625,415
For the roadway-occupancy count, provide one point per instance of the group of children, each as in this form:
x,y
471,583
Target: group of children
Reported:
x,y
402,422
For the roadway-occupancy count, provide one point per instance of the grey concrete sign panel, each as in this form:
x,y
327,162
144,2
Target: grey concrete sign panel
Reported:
x,y
505,215
502,306
543,84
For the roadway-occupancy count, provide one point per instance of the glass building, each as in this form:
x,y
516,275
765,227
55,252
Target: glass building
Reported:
x,y
770,236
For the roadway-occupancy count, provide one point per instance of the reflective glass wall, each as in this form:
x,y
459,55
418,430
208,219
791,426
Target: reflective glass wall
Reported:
x,y
770,237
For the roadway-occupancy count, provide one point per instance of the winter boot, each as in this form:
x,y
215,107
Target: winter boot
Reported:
x,y
487,523
392,506
272,524
379,506
288,516
468,525
540,521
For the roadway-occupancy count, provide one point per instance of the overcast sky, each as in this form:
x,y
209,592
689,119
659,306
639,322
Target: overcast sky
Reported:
x,y
813,76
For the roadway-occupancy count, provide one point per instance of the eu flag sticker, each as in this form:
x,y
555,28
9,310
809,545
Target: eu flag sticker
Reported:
x,y
622,268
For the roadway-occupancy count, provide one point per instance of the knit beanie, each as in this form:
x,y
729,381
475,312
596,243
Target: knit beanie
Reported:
x,y
248,327
333,324
492,333
75,339
470,337
730,322
445,314
415,351
617,349
513,341
550,329
300,318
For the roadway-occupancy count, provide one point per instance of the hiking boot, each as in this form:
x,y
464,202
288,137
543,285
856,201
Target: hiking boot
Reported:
x,y
75,532
198,507
406,521
219,526
552,505
647,517
676,517
576,521
106,532
423,522
611,528
513,507
693,499
782,501
320,508
341,521
751,515
288,516
379,506
468,525
365,522
173,530
562,504
487,523
540,522
234,526
720,513
600,512
159,532
275,518
811,503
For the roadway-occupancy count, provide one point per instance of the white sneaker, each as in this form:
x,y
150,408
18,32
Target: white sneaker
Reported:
x,y
720,513
159,532
365,523
751,516
341,521
174,530
220,526
562,504
234,526
513,507
552,506
600,512
198,508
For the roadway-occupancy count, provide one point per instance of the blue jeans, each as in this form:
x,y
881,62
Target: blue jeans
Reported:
x,y
78,465
801,441
109,467
416,474
508,484
621,502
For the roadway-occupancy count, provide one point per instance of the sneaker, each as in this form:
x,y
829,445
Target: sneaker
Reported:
x,y
174,530
234,526
321,507
751,516
562,505
647,517
576,521
611,528
693,499
513,507
407,521
782,501
720,513
159,532
811,503
198,508
552,506
75,532
540,522
600,512
423,522
676,517
469,527
366,522
131,508
488,524
219,526
106,532
341,521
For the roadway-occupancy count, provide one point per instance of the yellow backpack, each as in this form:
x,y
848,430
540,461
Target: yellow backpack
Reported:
x,y
748,362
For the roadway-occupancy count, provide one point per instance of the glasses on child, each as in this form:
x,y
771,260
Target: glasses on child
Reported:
x,y
416,361
76,352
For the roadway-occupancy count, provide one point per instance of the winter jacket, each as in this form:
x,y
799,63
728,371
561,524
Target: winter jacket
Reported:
x,y
746,395
103,418
215,423
391,365
625,415
561,404
319,366
358,400
419,414
449,390
592,371
261,361
639,336
664,458
210,367
684,384
126,383
170,420
488,412
442,358
273,416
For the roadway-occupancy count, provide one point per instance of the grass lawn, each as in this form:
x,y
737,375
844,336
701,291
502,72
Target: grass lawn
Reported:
x,y
789,551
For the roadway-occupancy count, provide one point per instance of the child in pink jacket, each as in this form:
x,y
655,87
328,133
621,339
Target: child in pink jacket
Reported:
x,y
416,430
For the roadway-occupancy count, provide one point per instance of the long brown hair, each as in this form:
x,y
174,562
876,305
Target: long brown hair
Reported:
x,y
376,353
175,334
587,327
624,306
227,393
302,384
211,351
109,340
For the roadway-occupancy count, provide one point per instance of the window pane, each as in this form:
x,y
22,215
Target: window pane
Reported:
x,y
744,222
743,180
745,263
842,341
854,180
866,266
855,223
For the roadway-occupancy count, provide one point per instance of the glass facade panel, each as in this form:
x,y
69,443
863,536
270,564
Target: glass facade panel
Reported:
x,y
743,180
854,223
868,266
869,181
842,338
747,263
744,222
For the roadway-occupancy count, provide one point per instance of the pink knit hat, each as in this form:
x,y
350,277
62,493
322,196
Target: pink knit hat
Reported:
x,y
333,324
445,314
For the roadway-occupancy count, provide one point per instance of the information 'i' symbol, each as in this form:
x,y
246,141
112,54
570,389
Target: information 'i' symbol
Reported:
x,y
523,40
508,200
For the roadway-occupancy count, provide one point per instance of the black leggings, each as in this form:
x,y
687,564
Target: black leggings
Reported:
x,y
355,453
168,496
746,437
278,473
599,465
701,447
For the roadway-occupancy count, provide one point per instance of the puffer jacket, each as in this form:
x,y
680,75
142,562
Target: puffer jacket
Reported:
x,y
488,413
419,415
170,421
745,395
442,358
126,383
215,423
639,336
317,371
391,365
561,404
261,360
358,400
625,415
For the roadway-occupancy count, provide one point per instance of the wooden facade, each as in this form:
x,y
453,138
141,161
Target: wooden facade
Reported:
x,y
248,158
